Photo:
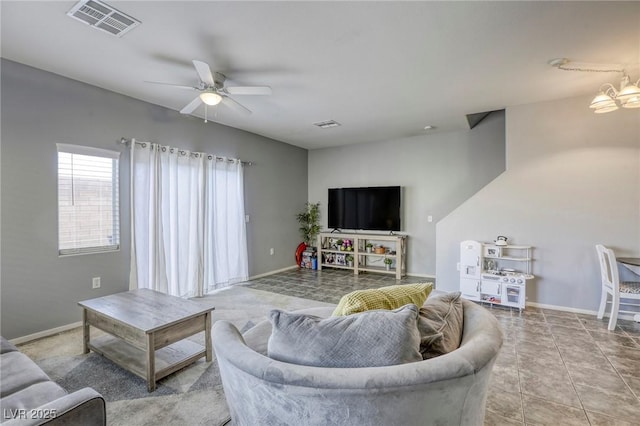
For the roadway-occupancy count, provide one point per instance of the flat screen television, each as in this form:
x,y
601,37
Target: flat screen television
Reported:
x,y
373,208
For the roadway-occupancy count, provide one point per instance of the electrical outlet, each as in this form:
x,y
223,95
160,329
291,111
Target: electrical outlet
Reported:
x,y
95,282
272,251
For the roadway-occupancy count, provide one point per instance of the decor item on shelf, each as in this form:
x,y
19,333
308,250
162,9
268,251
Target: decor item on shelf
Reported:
x,y
369,247
379,250
309,220
491,251
387,262
609,98
501,240
330,244
349,259
339,244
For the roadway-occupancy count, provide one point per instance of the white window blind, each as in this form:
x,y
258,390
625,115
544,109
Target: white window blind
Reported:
x,y
88,200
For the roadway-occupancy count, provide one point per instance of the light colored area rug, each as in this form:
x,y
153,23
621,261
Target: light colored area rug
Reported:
x,y
191,396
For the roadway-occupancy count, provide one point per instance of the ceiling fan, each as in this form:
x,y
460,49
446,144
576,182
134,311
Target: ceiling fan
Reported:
x,y
213,91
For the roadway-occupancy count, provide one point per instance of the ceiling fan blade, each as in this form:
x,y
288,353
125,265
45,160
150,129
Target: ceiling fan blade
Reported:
x,y
178,86
191,106
204,72
236,106
248,90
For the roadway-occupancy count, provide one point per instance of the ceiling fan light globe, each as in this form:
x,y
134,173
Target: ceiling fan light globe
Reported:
x,y
210,98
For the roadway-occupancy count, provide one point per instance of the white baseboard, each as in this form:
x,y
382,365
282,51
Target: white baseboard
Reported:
x,y
45,333
288,268
562,308
578,311
411,274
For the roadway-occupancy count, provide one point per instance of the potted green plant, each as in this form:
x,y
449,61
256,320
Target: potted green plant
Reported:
x,y
369,247
339,243
309,220
387,262
349,259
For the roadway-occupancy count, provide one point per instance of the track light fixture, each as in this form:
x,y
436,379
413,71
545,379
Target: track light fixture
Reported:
x,y
609,98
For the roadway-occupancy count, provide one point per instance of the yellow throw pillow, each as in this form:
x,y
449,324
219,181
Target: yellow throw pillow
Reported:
x,y
391,297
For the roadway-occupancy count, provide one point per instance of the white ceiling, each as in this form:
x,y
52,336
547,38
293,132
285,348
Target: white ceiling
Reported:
x,y
384,70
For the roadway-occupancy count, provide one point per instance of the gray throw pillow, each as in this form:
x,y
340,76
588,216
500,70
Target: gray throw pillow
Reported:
x,y
367,339
440,324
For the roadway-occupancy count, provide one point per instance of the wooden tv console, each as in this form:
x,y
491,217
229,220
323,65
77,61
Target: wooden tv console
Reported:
x,y
332,255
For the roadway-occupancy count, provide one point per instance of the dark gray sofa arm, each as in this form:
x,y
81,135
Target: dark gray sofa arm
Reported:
x,y
84,407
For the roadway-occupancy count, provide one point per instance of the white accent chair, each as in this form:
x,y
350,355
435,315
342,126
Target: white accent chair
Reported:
x,y
611,285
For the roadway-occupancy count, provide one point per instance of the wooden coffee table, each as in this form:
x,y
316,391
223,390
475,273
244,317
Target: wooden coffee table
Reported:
x,y
147,331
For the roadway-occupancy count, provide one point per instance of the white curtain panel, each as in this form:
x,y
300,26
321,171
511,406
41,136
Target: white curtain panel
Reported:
x,y
188,229
225,249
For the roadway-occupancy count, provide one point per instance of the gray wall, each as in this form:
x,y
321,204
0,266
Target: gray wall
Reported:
x,y
571,182
437,172
39,289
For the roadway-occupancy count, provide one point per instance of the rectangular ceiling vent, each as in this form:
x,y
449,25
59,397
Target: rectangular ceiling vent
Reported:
x,y
327,124
103,17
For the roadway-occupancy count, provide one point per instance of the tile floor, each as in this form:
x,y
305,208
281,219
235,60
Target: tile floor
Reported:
x,y
556,368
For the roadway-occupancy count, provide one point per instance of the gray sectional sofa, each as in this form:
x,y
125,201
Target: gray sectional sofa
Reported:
x,y
29,397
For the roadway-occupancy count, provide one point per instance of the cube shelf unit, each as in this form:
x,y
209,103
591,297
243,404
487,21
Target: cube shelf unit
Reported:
x,y
331,256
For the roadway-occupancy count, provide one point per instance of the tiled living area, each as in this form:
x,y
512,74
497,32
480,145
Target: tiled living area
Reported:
x,y
556,367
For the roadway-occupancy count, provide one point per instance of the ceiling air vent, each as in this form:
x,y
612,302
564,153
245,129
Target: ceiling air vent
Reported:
x,y
103,17
327,124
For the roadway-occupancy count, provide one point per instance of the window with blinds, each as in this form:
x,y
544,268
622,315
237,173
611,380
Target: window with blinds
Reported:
x,y
88,200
